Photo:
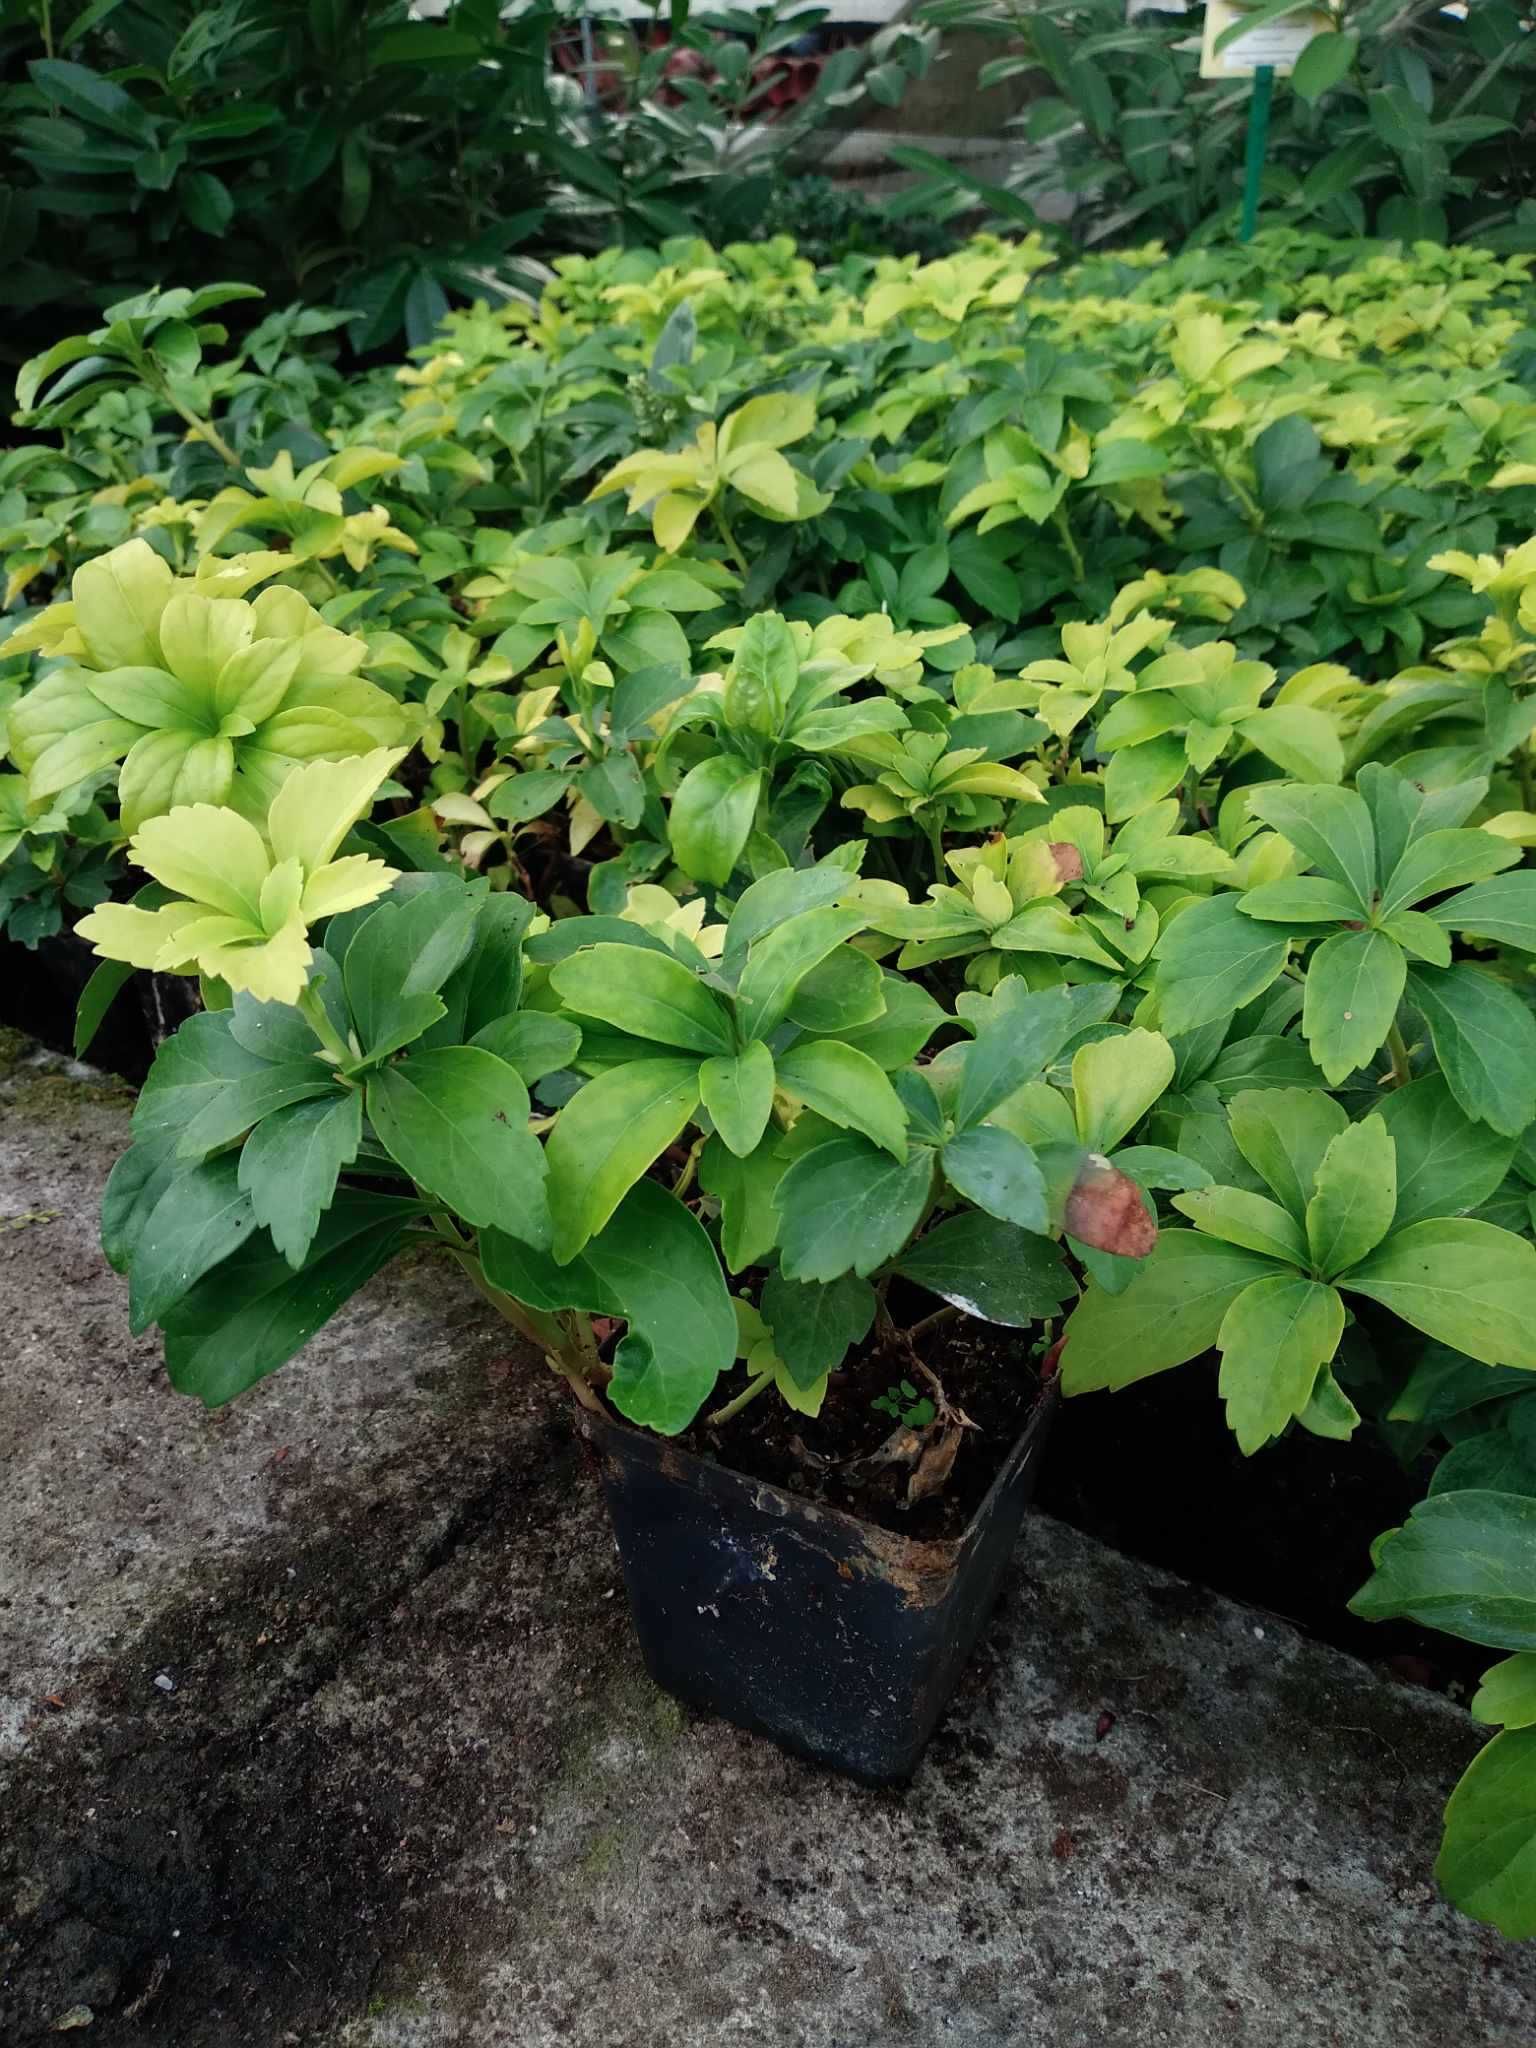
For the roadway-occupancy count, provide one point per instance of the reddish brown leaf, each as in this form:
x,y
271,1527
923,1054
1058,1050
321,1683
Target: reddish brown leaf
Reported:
x,y
1069,862
1105,1210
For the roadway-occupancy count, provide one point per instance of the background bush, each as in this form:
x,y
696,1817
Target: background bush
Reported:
x,y
1402,120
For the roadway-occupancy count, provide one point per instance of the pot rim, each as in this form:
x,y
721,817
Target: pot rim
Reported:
x,y
910,1552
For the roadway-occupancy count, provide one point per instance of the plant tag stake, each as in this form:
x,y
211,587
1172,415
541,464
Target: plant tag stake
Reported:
x,y
1255,39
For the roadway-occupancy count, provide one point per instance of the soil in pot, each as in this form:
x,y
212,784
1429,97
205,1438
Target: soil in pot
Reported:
x,y
986,1372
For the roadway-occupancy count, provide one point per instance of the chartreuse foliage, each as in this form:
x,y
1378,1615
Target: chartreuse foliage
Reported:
x,y
494,734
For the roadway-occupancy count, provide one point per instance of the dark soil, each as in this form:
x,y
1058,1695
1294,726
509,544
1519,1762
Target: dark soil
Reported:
x,y
994,1383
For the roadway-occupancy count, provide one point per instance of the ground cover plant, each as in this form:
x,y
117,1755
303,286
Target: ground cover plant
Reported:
x,y
761,810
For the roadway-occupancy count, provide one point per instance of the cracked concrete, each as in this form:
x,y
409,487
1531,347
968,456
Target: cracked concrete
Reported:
x,y
403,1783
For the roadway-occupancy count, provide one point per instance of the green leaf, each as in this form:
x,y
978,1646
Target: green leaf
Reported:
x,y
1485,1042
654,1258
989,1269
531,1042
814,1325
202,1216
139,1178
1446,1164
532,1277
1323,64
1000,1174
1462,1562
1507,1696
92,99
1444,860
1356,1195
899,1032
1355,982
1300,899
1115,1081
1445,1384
841,995
107,981
487,985
399,957
649,995
848,1089
1238,1217
776,898
456,1118
737,1090
762,676
1211,960
1023,1033
711,817
1301,740
1274,1339
290,1162
1171,1312
846,1206
250,1314
1467,1283
1331,828
244,1102
1495,1460
780,961
1263,1061
1330,1412
1138,777
744,1188
1487,1861
1502,910
605,1138
1283,1134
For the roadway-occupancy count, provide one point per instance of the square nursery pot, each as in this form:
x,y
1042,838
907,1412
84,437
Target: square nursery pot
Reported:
x,y
841,1640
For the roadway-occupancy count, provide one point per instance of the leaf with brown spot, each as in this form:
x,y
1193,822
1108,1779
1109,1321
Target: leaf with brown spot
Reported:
x,y
1105,1210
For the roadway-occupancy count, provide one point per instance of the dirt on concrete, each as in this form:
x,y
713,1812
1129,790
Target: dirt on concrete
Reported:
x,y
325,1727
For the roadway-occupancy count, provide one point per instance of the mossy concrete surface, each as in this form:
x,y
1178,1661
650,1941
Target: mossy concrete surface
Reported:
x,y
324,1728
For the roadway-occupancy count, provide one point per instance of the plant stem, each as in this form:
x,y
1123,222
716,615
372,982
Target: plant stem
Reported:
x,y
1074,553
749,1392
685,1175
204,431
729,538
315,1011
947,1314
933,826
544,1331
1402,1073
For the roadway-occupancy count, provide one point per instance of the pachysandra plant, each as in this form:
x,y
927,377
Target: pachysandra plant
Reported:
x,y
1349,1209
203,697
242,899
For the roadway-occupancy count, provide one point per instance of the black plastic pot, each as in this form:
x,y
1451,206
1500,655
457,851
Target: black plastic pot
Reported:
x,y
841,1640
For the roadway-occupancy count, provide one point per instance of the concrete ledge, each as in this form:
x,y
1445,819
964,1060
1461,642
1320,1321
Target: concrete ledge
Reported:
x,y
405,1785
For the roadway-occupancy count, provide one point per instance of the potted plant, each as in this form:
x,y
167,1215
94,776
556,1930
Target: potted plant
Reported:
x,y
735,1158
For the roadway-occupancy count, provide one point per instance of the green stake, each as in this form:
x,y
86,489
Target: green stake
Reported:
x,y
1258,130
